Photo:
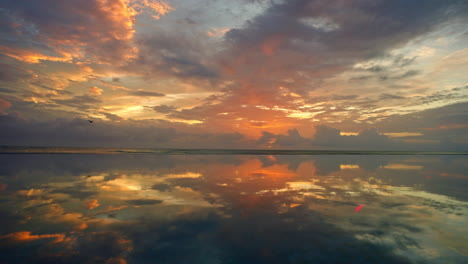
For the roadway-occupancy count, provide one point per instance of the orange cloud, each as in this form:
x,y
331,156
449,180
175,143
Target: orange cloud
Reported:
x,y
112,209
157,8
116,261
91,204
25,236
95,90
30,56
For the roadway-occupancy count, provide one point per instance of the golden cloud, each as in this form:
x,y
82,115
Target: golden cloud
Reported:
x,y
95,90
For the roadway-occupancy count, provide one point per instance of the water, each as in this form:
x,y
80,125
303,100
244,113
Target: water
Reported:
x,y
133,208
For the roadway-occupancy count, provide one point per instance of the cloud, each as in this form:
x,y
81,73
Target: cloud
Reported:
x,y
91,204
329,138
82,102
359,35
175,52
146,94
165,109
81,133
441,128
4,105
26,236
158,8
12,73
112,117
100,29
95,90
103,246
52,30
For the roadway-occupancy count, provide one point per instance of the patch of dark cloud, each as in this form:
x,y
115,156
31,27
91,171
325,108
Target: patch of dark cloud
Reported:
x,y
386,96
146,94
83,102
165,109
81,192
444,95
175,52
6,90
187,68
402,61
162,187
330,138
4,105
98,247
431,118
81,133
112,117
144,202
404,75
12,73
332,98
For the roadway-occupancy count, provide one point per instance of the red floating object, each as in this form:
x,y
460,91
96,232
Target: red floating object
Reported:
x,y
359,207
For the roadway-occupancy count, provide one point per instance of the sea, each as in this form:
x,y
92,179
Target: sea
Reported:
x,y
218,206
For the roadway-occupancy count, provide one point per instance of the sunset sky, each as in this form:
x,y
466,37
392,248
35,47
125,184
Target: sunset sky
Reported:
x,y
291,74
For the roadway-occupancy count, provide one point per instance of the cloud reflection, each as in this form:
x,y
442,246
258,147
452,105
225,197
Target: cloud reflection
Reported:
x,y
233,209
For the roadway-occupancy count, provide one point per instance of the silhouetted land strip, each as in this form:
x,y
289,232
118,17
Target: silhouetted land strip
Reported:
x,y
151,151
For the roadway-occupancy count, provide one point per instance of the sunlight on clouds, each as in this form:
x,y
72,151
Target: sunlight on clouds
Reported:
x,y
26,236
193,175
404,134
30,56
121,184
397,166
156,8
217,32
95,90
349,167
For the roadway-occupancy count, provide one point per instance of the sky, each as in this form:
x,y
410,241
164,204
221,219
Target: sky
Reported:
x,y
384,75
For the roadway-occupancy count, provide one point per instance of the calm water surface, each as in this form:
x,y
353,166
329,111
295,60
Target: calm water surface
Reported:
x,y
85,208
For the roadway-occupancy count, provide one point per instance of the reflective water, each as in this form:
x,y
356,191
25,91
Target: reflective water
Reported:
x,y
84,208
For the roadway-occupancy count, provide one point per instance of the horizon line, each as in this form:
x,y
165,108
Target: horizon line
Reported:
x,y
210,151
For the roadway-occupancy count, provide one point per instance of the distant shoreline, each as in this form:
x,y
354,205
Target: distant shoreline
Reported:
x,y
165,151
